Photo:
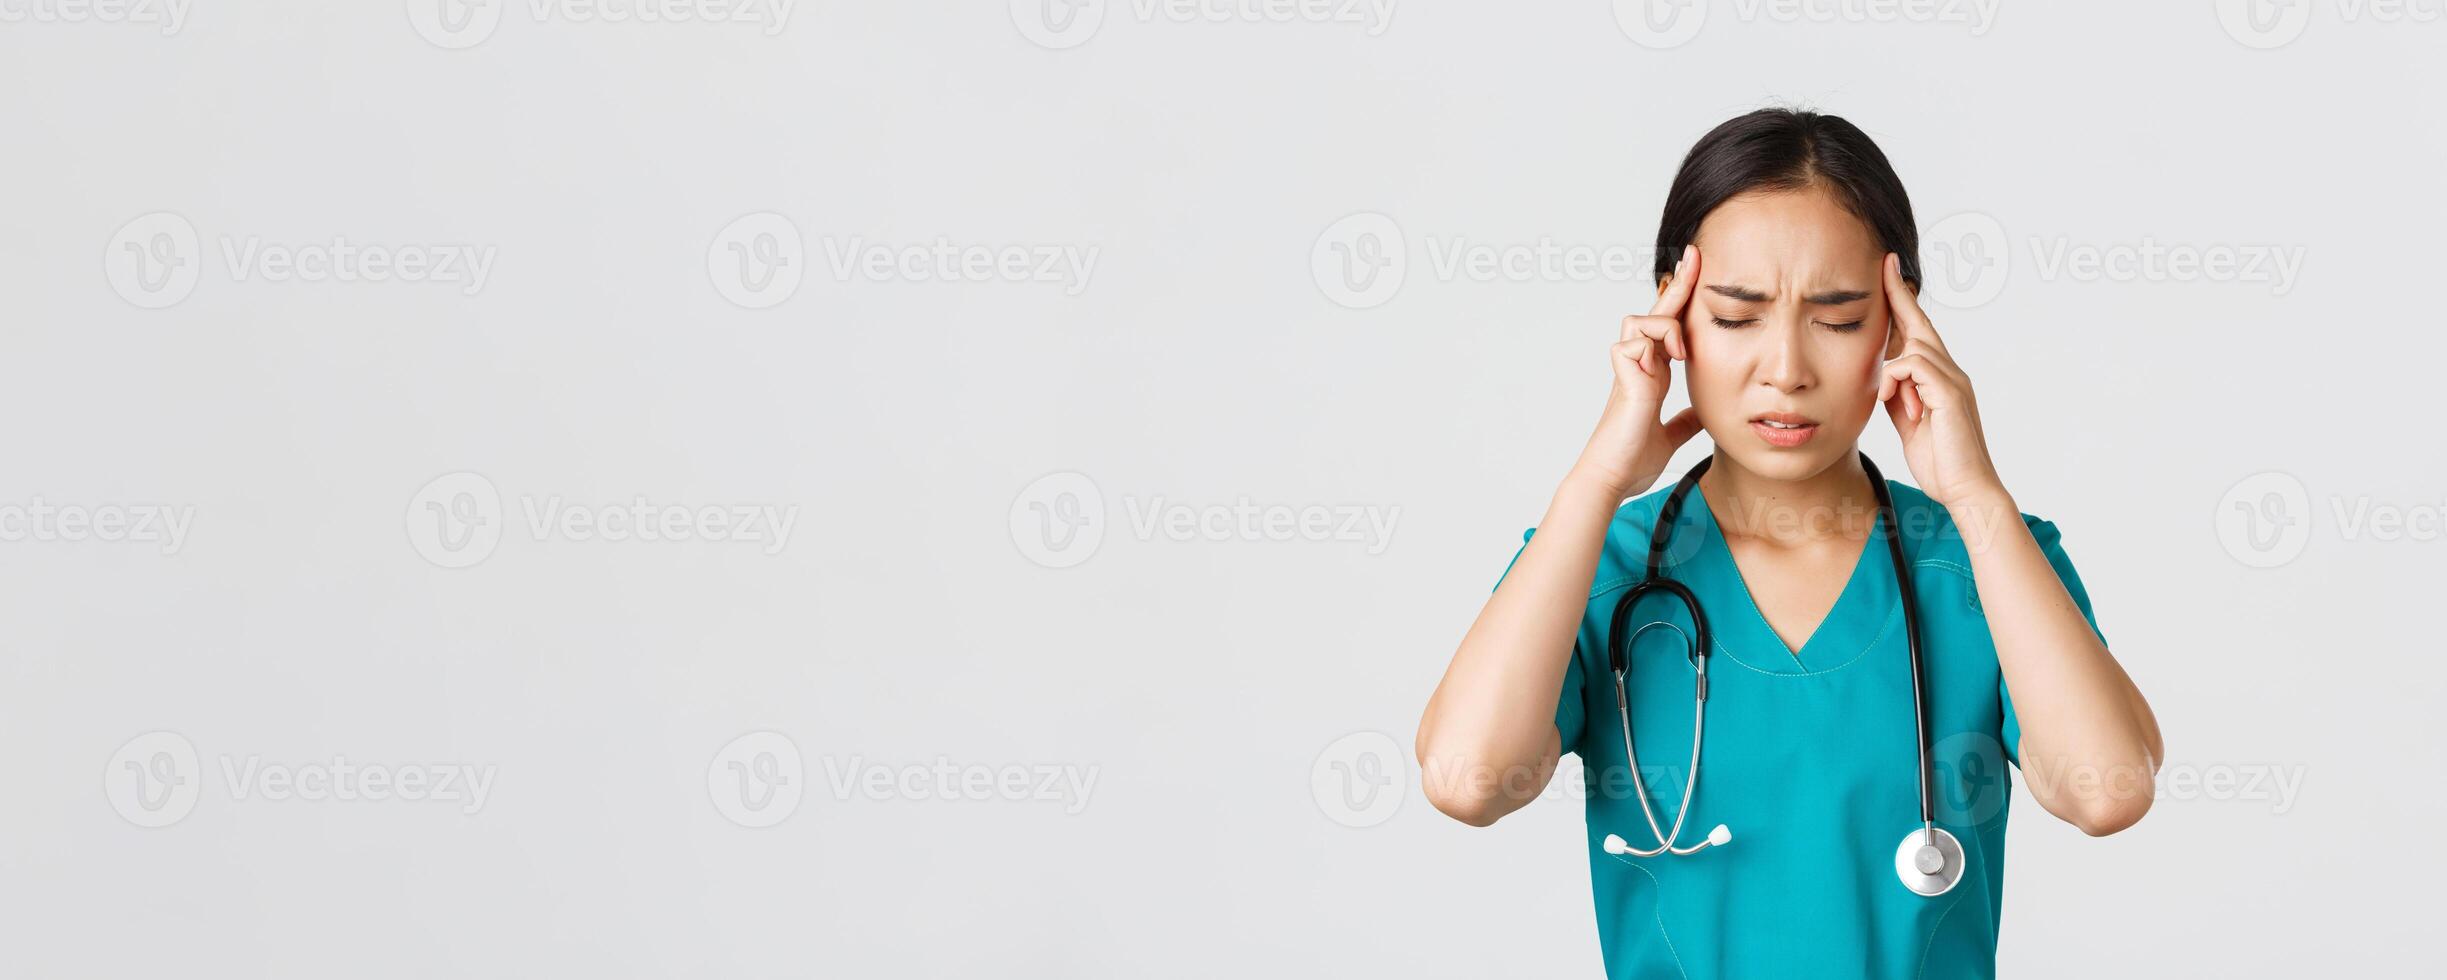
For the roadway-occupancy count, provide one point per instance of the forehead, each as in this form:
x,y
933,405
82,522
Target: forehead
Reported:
x,y
1784,234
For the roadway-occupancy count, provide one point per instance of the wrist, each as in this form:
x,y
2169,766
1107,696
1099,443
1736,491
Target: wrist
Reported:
x,y
1586,478
1984,500
1981,515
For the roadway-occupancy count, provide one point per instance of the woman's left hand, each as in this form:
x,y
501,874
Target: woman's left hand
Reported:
x,y
1929,398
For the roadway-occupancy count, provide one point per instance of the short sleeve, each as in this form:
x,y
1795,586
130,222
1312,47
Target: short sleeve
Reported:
x,y
2051,544
1570,715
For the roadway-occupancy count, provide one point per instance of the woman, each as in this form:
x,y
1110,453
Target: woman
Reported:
x,y
1787,286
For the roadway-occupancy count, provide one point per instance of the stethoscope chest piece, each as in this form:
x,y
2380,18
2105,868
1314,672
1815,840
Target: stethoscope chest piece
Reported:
x,y
1928,868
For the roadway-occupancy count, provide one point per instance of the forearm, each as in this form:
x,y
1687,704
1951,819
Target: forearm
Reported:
x,y
2090,747
1487,742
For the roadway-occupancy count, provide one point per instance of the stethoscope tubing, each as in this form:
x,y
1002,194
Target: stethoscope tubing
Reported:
x,y
1653,580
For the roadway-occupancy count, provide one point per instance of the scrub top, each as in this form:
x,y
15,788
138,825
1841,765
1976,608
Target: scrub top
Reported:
x,y
1807,758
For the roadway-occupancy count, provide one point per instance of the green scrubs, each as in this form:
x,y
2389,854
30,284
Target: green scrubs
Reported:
x,y
1808,759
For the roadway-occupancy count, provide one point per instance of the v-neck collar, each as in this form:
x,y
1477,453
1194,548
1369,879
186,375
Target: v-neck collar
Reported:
x,y
1862,614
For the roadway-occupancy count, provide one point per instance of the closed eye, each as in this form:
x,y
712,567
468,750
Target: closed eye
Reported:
x,y
1733,324
1846,327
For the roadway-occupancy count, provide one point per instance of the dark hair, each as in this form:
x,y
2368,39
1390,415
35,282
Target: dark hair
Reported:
x,y
1788,149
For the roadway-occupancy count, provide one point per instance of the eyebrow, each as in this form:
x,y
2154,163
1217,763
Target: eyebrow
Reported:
x,y
1833,297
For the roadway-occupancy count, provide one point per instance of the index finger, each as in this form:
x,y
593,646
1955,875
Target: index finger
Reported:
x,y
1903,306
1677,292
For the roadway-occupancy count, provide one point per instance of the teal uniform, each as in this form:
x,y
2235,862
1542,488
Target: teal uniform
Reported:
x,y
1808,759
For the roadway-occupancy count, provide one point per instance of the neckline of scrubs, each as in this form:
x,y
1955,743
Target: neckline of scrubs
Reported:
x,y
1864,610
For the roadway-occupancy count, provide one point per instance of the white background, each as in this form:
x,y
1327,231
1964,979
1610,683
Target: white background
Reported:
x,y
1201,690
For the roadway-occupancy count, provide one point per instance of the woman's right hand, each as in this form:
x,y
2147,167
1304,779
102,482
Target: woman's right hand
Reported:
x,y
1632,443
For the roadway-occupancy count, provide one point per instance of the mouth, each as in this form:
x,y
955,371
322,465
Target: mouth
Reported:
x,y
1783,430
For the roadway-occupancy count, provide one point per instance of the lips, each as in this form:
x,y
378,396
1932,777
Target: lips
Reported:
x,y
1784,430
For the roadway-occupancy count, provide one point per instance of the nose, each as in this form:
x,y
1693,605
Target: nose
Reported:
x,y
1786,366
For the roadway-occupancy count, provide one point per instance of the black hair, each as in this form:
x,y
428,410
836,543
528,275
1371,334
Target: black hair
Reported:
x,y
1789,149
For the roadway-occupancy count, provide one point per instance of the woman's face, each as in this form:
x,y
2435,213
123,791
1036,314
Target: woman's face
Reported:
x,y
1787,324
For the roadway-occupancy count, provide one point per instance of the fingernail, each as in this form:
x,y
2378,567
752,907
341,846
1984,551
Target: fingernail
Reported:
x,y
1686,257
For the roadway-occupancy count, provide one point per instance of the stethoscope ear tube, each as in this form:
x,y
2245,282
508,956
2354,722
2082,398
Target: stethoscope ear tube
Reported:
x,y
1618,646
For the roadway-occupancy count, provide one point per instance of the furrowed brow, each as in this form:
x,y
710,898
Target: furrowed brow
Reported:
x,y
1836,297
1742,293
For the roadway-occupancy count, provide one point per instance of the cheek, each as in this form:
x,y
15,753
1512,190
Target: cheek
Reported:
x,y
1713,367
1861,366
1859,357
1871,363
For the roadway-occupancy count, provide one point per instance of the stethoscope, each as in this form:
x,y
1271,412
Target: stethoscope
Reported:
x,y
1930,860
